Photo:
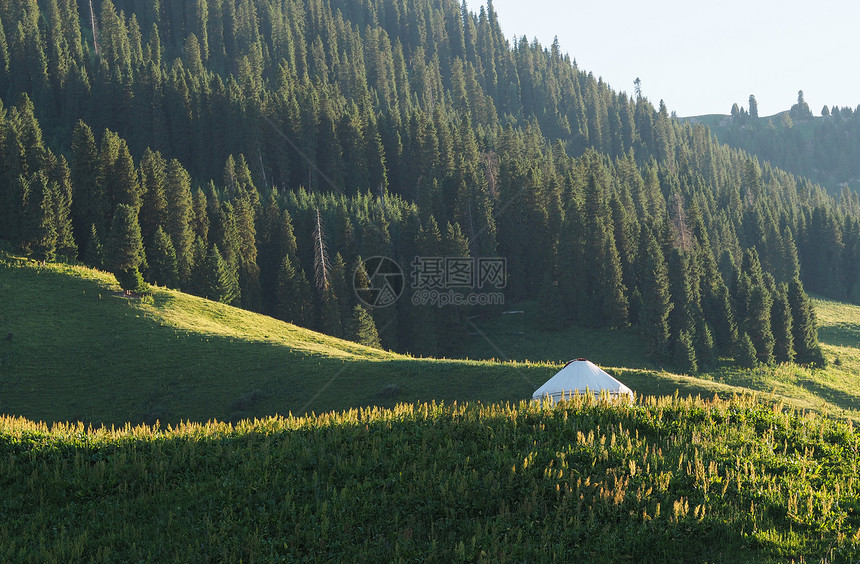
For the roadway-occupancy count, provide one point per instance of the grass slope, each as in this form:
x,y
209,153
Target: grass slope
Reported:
x,y
81,351
664,480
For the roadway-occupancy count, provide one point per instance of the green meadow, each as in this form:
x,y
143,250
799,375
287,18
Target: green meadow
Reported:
x,y
75,348
80,350
377,456
834,390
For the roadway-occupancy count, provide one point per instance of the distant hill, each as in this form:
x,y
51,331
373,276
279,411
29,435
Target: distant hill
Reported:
x,y
823,148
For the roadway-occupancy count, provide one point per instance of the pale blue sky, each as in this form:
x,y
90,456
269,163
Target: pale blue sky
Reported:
x,y
702,57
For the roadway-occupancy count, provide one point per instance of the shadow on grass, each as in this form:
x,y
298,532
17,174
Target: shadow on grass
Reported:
x,y
831,395
841,335
147,372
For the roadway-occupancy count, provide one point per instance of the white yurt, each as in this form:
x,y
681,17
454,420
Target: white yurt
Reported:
x,y
581,376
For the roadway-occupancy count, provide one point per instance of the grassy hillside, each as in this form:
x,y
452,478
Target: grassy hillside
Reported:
x,y
733,480
684,480
81,351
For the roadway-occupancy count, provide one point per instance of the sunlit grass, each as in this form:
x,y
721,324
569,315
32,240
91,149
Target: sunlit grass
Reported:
x,y
738,480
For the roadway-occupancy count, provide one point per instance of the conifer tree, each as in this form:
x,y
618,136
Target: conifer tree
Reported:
x,y
425,318
200,218
248,270
451,318
42,236
224,234
269,251
117,173
685,354
599,296
571,283
361,282
329,313
705,349
656,300
219,283
131,280
88,198
153,177
293,295
363,328
94,255
753,304
66,245
340,286
624,235
125,249
199,250
163,267
193,59
781,321
615,303
717,309
758,323
745,355
4,54
803,326
681,318
180,214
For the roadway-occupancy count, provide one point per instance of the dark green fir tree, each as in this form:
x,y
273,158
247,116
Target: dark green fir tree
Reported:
x,y
94,254
125,249
220,284
363,328
685,354
163,269
745,355
294,302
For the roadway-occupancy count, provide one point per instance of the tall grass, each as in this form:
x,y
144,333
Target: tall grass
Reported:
x,y
683,479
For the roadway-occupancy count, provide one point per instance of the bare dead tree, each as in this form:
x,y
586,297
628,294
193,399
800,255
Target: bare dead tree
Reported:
x,y
95,31
321,262
491,171
262,167
684,239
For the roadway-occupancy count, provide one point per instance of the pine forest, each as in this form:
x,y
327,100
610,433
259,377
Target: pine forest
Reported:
x,y
255,151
